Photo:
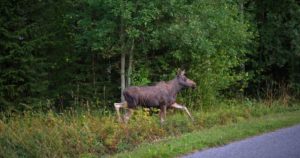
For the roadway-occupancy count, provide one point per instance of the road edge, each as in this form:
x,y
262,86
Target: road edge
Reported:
x,y
213,137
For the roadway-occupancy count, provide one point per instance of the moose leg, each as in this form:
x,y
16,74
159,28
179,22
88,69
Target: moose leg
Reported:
x,y
163,113
128,114
117,107
182,107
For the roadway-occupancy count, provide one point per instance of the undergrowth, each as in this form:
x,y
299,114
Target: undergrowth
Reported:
x,y
92,134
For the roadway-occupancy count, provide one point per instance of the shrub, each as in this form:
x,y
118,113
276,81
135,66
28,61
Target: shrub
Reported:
x,y
88,134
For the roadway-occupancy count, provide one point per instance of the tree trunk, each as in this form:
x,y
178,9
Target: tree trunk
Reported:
x,y
94,75
129,70
123,54
242,10
122,75
243,64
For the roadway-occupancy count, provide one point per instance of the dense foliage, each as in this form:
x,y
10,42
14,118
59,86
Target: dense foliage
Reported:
x,y
276,59
66,53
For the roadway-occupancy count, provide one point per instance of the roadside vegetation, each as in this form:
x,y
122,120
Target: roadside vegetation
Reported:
x,y
216,136
97,133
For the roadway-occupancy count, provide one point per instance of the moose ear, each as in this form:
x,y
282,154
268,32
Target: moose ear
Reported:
x,y
182,72
178,71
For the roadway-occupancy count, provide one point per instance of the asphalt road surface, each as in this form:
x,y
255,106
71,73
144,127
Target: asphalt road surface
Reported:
x,y
283,143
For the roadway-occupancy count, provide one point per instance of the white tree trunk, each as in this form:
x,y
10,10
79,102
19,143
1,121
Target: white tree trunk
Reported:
x,y
123,53
130,64
122,74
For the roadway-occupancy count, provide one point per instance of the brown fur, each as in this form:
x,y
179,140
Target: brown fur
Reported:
x,y
161,95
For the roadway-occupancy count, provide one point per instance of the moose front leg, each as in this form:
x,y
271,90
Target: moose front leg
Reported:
x,y
182,107
128,115
163,113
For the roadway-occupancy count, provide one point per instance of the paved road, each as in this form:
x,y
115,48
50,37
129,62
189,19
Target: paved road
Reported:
x,y
283,143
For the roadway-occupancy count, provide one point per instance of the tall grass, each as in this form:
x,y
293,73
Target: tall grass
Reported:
x,y
94,134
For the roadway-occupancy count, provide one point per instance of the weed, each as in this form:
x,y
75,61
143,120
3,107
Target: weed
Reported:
x,y
94,134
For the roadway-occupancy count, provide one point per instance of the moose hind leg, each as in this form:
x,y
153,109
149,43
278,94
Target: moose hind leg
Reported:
x,y
182,107
117,107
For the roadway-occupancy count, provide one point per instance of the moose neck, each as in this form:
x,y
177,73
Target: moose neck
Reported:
x,y
175,86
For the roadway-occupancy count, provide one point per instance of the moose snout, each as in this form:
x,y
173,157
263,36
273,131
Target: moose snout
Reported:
x,y
193,85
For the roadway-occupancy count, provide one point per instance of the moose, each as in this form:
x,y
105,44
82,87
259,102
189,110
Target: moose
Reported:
x,y
161,95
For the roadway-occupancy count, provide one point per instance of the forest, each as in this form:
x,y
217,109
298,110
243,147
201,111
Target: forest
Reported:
x,y
73,52
62,56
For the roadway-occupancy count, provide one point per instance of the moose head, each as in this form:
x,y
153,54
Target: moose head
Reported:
x,y
184,81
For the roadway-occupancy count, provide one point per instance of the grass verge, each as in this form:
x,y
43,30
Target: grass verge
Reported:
x,y
96,134
214,136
